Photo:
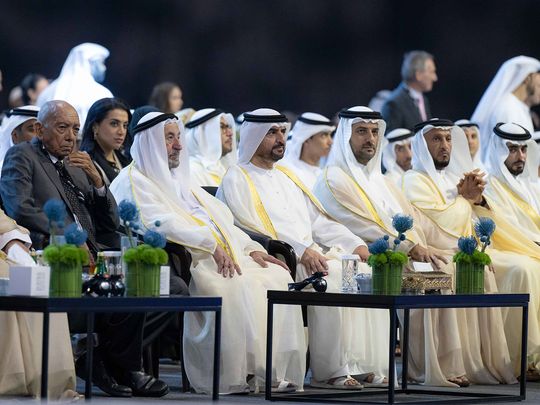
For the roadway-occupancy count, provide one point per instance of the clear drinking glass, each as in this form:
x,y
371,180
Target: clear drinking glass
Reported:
x,y
349,269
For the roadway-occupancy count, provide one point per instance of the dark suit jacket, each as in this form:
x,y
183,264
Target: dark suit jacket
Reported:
x,y
29,179
401,111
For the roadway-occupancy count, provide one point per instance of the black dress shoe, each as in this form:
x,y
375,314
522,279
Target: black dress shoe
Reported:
x,y
144,385
101,378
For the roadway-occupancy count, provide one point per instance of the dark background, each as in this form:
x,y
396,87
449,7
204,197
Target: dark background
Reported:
x,y
299,55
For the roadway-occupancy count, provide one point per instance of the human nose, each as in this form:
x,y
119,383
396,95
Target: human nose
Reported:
x,y
330,141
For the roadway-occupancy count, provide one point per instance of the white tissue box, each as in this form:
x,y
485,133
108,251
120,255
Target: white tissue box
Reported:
x,y
164,280
29,280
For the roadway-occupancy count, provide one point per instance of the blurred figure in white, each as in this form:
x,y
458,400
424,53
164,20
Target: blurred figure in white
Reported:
x,y
397,154
79,80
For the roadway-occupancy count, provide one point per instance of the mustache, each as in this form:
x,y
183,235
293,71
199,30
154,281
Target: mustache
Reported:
x,y
278,145
369,145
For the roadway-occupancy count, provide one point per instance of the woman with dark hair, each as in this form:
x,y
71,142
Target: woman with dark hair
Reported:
x,y
104,133
32,85
167,97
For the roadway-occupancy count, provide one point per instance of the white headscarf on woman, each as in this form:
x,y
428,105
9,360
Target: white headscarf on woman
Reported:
x,y
369,177
14,118
203,134
525,185
398,136
508,78
254,128
460,157
175,183
77,84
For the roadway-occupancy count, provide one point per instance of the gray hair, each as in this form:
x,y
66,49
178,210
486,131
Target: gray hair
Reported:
x,y
414,61
50,108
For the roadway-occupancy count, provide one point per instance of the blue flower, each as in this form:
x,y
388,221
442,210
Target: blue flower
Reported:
x,y
157,223
484,227
386,237
154,239
402,223
127,211
75,235
55,210
397,241
467,244
379,246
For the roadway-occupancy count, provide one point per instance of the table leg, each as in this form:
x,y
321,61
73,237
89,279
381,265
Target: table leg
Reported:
x,y
217,347
524,332
45,356
89,355
269,335
405,348
392,356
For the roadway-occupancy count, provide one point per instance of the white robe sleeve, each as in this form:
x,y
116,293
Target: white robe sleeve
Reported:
x,y
330,233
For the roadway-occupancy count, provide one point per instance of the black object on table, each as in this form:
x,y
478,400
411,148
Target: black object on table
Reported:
x,y
394,303
91,306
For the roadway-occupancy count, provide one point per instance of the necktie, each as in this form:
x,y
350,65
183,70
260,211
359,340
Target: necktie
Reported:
x,y
76,199
422,108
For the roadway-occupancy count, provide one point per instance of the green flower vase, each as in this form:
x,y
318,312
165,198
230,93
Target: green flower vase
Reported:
x,y
469,278
386,279
142,280
66,279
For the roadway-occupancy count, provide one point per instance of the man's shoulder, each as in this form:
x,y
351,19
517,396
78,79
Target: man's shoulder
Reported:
x,y
399,93
27,149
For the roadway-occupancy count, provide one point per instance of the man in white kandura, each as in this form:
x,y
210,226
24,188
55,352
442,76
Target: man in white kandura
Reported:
x,y
310,140
17,127
513,188
211,143
397,154
226,262
509,98
354,191
79,82
446,188
267,198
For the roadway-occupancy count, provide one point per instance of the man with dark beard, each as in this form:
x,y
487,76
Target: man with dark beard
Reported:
x,y
268,198
513,188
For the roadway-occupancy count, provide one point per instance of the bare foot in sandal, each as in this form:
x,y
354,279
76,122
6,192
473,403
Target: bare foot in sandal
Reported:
x,y
339,383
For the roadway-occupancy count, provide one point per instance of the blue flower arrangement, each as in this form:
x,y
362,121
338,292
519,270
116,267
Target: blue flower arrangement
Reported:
x,y
467,245
151,252
55,210
380,248
71,253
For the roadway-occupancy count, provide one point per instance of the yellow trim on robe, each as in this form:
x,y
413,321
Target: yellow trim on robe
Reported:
x,y
195,220
216,178
365,199
227,246
523,205
259,206
426,210
302,187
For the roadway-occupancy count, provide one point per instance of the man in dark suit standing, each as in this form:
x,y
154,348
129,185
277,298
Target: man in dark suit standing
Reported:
x,y
46,168
407,105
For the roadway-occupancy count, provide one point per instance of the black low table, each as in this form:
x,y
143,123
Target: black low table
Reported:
x,y
394,303
91,306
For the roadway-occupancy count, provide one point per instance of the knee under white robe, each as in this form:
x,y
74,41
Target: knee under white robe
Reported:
x,y
445,343
20,339
243,339
516,260
342,340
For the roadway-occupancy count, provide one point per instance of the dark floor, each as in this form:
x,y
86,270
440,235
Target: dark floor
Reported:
x,y
171,374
